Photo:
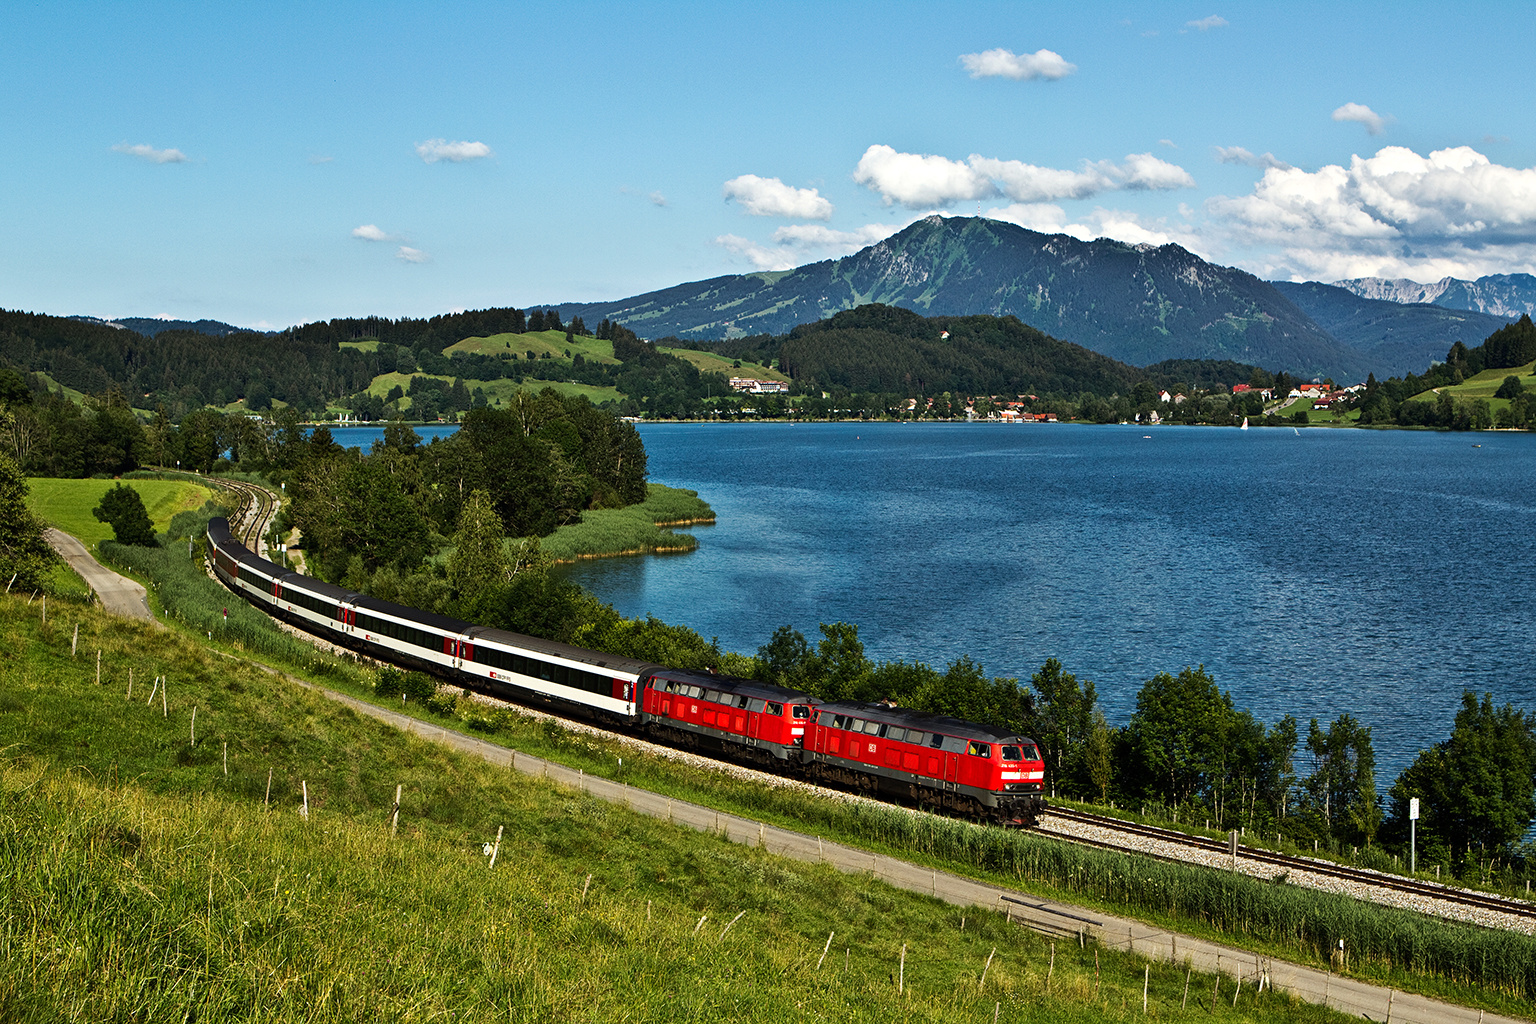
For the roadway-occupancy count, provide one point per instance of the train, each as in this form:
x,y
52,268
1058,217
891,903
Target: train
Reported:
x,y
933,761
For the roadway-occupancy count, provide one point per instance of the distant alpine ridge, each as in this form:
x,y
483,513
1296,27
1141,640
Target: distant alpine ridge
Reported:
x,y
1139,304
1505,295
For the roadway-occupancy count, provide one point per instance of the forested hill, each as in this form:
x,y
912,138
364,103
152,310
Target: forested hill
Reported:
x,y
888,349
1136,303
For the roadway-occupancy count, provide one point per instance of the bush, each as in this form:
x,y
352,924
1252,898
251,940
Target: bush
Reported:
x,y
389,683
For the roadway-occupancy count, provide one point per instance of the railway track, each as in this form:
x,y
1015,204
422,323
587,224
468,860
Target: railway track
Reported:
x,y
255,509
1165,844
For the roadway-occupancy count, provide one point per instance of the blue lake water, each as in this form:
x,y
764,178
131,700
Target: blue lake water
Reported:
x,y
363,437
1312,572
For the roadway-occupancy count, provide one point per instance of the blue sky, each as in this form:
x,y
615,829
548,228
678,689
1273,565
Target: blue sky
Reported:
x,y
270,164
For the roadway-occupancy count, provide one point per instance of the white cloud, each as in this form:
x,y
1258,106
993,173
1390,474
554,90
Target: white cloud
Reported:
x,y
925,181
317,160
1393,214
920,181
1359,112
656,199
371,233
770,197
1167,142
797,244
1000,63
1239,155
1120,225
150,153
410,255
434,150
1206,24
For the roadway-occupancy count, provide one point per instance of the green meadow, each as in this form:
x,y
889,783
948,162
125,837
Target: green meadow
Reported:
x,y
224,849
67,504
1483,385
637,529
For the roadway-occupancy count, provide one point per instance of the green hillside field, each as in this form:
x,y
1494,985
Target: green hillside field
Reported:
x,y
1483,385
67,504
225,851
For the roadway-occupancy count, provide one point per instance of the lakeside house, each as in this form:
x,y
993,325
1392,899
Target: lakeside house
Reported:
x,y
752,386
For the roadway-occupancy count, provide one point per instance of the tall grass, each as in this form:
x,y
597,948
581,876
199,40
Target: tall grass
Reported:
x,y
176,571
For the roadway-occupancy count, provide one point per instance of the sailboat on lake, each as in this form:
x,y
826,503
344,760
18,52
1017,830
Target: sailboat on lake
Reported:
x,y
1245,424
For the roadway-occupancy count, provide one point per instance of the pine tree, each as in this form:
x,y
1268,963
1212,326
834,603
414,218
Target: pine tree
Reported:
x,y
124,510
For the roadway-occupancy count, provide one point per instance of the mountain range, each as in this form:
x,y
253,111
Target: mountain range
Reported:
x,y
1504,295
1139,304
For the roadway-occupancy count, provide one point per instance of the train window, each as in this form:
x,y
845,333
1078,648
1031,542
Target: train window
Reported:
x,y
1012,752
979,749
840,722
671,685
802,711
896,734
741,701
1031,752
936,741
773,709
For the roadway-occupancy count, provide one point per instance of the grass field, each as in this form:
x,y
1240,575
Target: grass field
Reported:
x,y
67,504
540,343
148,878
1483,385
708,362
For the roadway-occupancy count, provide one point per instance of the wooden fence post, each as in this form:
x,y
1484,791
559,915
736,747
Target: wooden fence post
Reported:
x,y
305,811
825,948
1146,979
394,816
980,984
901,971
266,801
496,849
75,642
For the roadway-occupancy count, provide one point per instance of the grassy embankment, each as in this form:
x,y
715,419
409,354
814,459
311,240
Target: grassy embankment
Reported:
x,y
638,529
1494,970
148,878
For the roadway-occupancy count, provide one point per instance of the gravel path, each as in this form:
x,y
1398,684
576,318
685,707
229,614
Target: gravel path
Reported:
x,y
117,594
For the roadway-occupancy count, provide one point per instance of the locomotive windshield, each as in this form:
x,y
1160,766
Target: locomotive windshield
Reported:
x,y
801,711
1027,752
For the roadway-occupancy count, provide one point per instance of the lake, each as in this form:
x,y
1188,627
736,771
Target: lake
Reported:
x,y
1312,572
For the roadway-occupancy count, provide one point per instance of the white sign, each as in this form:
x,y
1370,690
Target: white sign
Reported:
x,y
1413,808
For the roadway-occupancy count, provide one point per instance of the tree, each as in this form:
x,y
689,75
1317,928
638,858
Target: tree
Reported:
x,y
782,659
1511,388
1342,786
25,558
1098,755
1477,789
1178,736
478,561
1063,719
124,509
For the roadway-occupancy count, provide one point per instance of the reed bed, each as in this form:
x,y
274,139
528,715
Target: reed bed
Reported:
x,y
637,529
